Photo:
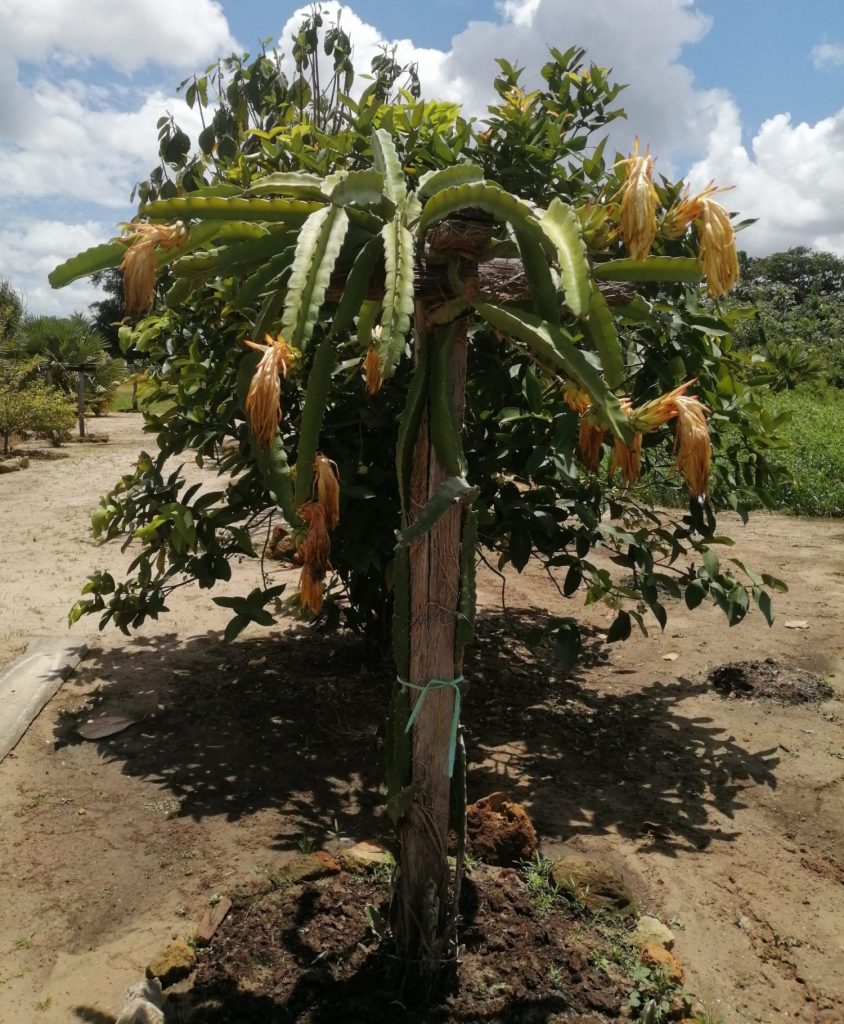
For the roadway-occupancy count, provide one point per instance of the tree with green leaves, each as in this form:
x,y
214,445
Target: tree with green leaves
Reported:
x,y
73,358
416,339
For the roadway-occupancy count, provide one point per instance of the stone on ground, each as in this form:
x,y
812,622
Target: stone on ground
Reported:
x,y
211,921
651,932
175,963
596,886
305,867
364,857
658,956
500,831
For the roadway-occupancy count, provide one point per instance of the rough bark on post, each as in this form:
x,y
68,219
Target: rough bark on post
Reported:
x,y
434,596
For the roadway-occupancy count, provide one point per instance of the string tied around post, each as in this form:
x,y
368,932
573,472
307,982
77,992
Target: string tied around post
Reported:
x,y
438,684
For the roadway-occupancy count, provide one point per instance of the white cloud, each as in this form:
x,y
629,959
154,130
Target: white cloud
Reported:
x,y
791,179
826,55
30,249
126,34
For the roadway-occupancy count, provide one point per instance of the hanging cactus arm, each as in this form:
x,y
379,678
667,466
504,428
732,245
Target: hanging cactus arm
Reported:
x,y
562,228
288,211
398,293
601,329
442,423
459,174
654,269
319,246
316,399
388,164
357,285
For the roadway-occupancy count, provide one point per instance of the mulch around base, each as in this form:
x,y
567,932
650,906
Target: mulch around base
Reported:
x,y
307,953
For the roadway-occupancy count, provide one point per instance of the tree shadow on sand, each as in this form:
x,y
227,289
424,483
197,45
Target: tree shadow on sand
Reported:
x,y
294,722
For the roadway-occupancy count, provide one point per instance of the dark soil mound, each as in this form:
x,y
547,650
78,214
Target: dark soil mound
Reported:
x,y
770,680
308,953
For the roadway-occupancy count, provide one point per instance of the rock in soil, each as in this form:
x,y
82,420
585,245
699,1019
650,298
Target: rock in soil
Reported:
x,y
770,680
596,886
499,831
657,956
649,931
305,867
363,857
10,466
175,963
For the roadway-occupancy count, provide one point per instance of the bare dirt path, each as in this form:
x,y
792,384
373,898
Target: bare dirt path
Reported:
x,y
108,849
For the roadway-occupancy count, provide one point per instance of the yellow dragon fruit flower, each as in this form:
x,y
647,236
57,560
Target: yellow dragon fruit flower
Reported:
x,y
263,401
575,398
638,203
658,411
327,484
693,445
590,439
139,264
627,458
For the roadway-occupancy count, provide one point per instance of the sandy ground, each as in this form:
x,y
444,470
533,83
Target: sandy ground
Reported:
x,y
109,849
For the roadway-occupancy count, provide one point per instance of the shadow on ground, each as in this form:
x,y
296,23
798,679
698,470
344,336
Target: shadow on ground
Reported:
x,y
293,722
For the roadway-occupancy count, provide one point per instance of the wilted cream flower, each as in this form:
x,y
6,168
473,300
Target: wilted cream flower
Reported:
x,y
263,401
694,448
590,439
627,458
139,265
575,397
717,252
327,483
638,204
314,552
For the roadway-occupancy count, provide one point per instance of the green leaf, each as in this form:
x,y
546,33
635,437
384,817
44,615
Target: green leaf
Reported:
x,y
562,228
454,488
695,593
387,162
458,174
667,269
554,347
601,328
398,293
319,246
316,398
710,561
620,629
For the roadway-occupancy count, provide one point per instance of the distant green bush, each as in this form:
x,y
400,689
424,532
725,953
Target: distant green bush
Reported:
x,y
815,456
29,405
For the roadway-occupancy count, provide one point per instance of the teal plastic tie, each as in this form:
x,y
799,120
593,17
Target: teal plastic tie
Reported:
x,y
438,684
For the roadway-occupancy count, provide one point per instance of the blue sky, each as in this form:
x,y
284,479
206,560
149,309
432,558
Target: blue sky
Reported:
x,y
749,92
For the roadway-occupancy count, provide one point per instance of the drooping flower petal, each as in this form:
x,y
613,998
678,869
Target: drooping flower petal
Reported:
x,y
576,398
694,447
627,458
310,590
139,265
638,204
327,483
314,552
263,401
372,367
590,439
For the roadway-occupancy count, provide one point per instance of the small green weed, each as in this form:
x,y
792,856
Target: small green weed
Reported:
x,y
540,885
24,941
650,999
306,845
